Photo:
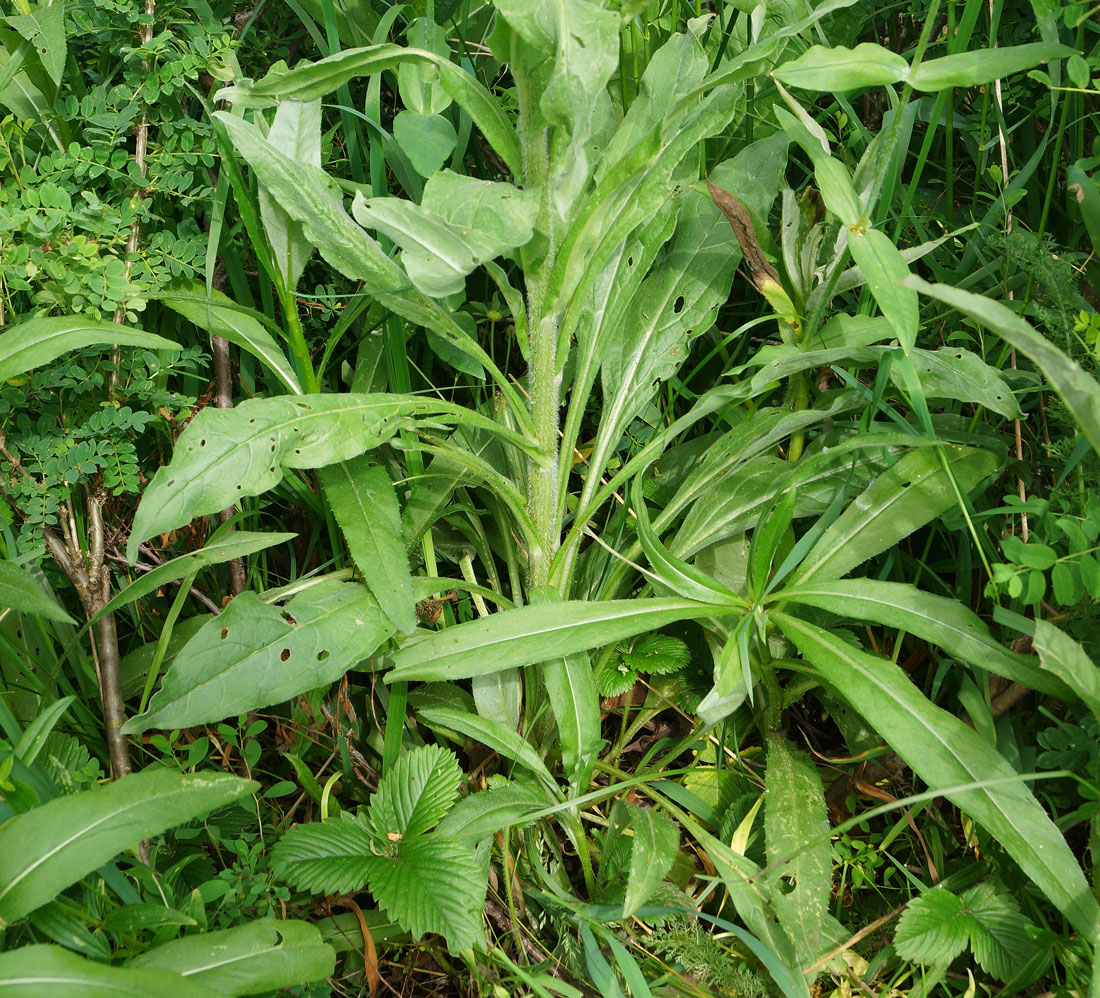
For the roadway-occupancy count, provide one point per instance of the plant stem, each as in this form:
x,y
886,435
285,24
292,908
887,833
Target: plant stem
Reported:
x,y
223,399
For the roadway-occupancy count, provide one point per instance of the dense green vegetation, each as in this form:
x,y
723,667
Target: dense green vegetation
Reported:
x,y
549,497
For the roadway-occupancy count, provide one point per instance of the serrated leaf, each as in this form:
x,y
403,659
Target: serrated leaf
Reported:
x,y
52,846
363,501
263,955
999,932
41,971
653,848
324,858
432,885
657,654
44,28
414,796
934,929
480,815
254,655
798,847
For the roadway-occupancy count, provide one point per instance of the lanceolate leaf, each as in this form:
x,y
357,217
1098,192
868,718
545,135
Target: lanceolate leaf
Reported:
x,y
799,854
1078,390
363,501
533,634
974,69
38,341
41,971
254,655
944,752
20,592
226,454
944,622
575,701
483,814
839,69
652,851
912,493
1063,657
259,956
52,846
883,268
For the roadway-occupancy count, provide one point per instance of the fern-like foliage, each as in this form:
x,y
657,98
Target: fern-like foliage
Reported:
x,y
427,882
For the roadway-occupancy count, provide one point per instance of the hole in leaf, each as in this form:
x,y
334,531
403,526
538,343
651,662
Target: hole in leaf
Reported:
x,y
284,654
202,443
678,305
225,633
322,655
786,885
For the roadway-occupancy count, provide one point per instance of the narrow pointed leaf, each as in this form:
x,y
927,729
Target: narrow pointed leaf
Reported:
x,y
839,69
975,69
884,268
20,592
1063,657
575,701
653,848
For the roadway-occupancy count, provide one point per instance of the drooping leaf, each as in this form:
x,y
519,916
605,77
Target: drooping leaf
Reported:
x,y
910,494
363,501
945,753
1063,657
52,846
839,69
44,971
414,796
263,955
226,454
35,342
799,853
19,591
653,846
254,655
533,634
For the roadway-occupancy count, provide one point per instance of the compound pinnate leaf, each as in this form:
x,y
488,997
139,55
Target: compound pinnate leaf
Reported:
x,y
254,655
52,846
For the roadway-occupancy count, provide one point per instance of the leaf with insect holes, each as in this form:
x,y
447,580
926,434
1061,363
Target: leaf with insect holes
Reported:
x,y
254,655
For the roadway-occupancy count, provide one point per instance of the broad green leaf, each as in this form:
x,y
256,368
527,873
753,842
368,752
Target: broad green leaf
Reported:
x,y
137,663
944,752
492,734
413,797
232,545
259,956
481,815
427,139
1063,657
955,373
1077,389
837,192
934,928
44,28
325,858
20,592
52,846
35,342
940,621
432,885
42,971
254,655
836,70
461,223
362,499
533,634
800,856
296,131
975,69
219,316
883,269
654,842
575,701
1003,940
1087,197
226,454
910,494
313,80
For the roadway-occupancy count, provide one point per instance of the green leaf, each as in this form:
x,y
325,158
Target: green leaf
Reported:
x,y
432,885
52,846
220,316
975,69
312,80
883,269
575,701
654,842
934,928
20,592
481,815
999,934
363,501
44,28
226,454
912,493
492,734
533,634
413,797
944,752
259,956
800,856
1063,657
427,139
36,342
254,655
235,544
954,373
836,70
837,192
325,858
40,971
461,223
1077,389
